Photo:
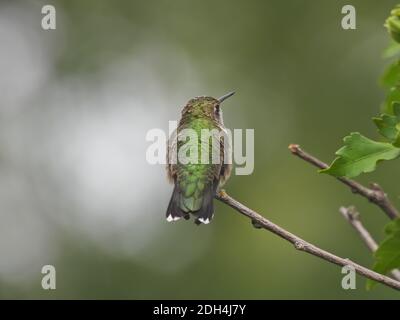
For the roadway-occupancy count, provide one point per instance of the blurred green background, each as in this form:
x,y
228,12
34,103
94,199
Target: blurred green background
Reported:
x,y
76,104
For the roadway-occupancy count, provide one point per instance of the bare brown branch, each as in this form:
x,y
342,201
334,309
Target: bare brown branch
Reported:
x,y
353,217
303,245
375,193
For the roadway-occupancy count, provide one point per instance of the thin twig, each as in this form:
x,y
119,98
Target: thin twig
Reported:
x,y
375,193
303,245
353,217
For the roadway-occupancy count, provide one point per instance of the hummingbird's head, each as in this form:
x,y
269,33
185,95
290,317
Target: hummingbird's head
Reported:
x,y
206,107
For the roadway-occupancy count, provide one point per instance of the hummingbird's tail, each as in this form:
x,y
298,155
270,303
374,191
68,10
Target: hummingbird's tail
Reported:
x,y
206,212
174,211
180,207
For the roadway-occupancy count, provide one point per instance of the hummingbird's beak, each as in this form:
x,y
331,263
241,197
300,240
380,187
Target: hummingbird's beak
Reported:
x,y
226,96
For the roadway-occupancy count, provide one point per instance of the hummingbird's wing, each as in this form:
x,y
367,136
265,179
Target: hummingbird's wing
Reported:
x,y
172,147
225,158
225,173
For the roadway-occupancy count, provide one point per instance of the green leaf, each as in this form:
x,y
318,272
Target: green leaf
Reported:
x,y
391,76
360,154
392,97
387,126
392,23
392,50
387,257
392,227
396,109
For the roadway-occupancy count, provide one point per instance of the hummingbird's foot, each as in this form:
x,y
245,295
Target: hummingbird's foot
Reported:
x,y
197,222
222,193
186,216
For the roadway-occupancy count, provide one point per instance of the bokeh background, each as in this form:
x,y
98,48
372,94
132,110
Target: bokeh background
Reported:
x,y
76,104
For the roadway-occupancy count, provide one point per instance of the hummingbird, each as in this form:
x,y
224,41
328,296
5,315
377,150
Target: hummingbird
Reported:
x,y
195,184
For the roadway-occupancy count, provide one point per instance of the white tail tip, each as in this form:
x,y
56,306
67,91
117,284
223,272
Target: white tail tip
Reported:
x,y
205,221
170,218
